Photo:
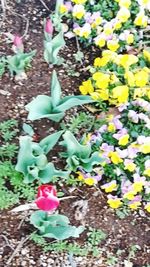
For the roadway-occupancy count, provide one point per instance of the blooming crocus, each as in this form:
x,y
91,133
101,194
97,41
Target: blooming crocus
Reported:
x,y
49,27
46,198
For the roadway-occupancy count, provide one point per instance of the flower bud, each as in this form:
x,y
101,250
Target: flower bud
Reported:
x,y
18,44
17,41
49,27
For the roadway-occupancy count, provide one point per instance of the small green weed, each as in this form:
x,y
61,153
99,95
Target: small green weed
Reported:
x,y
112,260
7,131
94,238
78,122
10,178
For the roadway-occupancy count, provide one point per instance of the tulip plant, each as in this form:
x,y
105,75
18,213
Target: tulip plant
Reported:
x,y
32,160
52,225
20,61
79,155
52,45
53,107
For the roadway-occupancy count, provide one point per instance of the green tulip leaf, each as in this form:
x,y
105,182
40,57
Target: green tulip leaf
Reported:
x,y
54,226
54,107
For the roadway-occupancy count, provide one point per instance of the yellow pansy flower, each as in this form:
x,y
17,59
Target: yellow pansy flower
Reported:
x,y
130,167
114,203
141,78
123,141
121,93
109,187
129,195
145,148
102,79
89,181
123,14
146,54
101,62
117,25
86,87
126,60
135,205
141,19
138,186
63,9
115,158
147,172
111,127
78,11
125,3
140,92
129,76
130,39
100,42
113,45
79,1
147,206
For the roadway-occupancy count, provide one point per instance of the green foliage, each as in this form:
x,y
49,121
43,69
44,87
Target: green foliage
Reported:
x,y
32,160
8,198
95,236
54,226
52,48
7,131
91,245
133,250
54,107
112,260
79,122
122,212
19,62
8,151
17,190
78,155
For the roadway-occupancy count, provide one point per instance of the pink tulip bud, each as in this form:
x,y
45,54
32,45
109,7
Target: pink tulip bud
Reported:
x,y
17,41
49,26
46,198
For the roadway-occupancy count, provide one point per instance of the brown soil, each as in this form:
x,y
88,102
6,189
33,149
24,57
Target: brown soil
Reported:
x,y
122,234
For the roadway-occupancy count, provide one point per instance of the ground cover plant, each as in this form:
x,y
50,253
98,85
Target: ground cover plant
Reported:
x,y
114,25
75,165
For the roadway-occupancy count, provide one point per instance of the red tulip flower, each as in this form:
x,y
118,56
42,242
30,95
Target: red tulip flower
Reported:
x,y
46,198
49,27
